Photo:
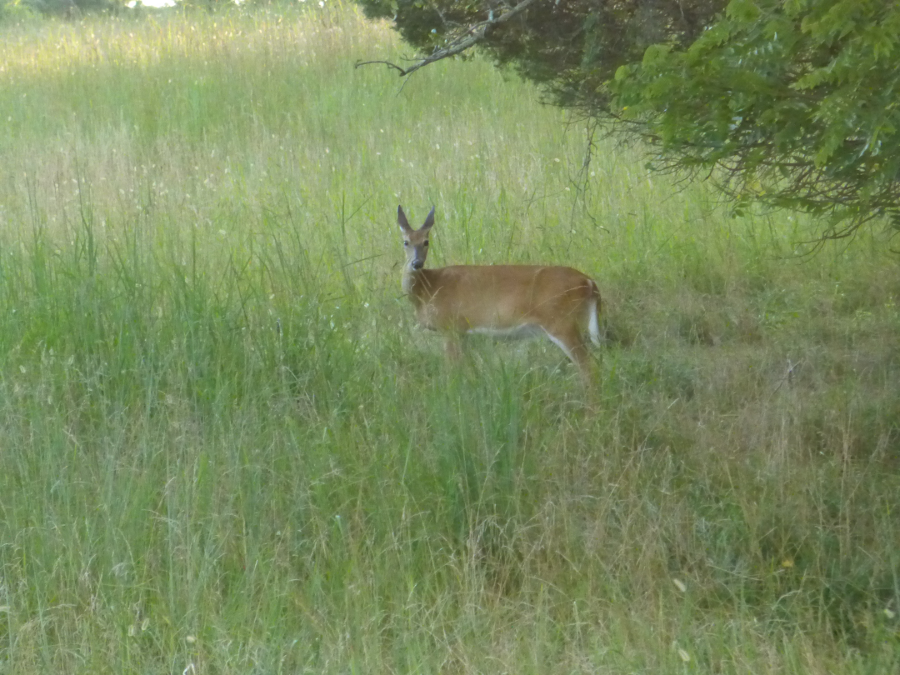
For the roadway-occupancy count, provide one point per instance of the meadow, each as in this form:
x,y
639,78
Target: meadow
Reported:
x,y
226,448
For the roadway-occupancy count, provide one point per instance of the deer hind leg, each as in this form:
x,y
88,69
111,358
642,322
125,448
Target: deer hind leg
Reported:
x,y
571,341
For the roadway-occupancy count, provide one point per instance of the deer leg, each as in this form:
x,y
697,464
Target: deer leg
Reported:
x,y
453,346
572,343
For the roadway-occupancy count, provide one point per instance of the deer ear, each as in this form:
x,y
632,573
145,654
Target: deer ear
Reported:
x,y
401,220
429,221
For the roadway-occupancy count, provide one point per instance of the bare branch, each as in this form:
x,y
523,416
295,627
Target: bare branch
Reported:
x,y
469,38
387,63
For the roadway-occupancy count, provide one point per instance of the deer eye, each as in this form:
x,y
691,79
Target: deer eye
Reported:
x,y
406,243
426,242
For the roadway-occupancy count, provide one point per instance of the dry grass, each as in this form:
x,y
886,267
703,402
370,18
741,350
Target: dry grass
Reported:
x,y
224,447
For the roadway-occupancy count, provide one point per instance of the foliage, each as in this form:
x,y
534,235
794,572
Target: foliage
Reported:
x,y
14,9
792,104
571,48
70,8
798,101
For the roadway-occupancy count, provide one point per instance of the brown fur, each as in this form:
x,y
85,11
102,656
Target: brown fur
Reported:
x,y
460,299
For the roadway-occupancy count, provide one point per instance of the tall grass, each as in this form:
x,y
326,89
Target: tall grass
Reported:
x,y
226,449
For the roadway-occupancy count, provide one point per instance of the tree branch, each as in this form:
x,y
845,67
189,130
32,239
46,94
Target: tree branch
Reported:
x,y
470,37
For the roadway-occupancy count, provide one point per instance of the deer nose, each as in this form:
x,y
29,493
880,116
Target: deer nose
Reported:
x,y
418,264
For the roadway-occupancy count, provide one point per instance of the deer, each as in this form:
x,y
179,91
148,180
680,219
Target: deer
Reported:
x,y
500,300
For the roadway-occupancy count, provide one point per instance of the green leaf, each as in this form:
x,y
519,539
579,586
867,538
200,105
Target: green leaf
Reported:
x,y
622,72
744,11
655,54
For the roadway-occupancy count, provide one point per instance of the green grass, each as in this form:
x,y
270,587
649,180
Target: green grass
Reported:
x,y
225,446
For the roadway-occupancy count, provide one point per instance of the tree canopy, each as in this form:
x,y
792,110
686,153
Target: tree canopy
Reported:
x,y
791,103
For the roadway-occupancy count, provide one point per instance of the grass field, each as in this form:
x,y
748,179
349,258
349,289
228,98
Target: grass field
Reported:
x,y
225,448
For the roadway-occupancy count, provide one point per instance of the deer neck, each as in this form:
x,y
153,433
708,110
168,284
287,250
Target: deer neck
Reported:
x,y
415,282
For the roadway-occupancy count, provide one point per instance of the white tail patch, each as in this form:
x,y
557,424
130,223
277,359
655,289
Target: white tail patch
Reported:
x,y
594,317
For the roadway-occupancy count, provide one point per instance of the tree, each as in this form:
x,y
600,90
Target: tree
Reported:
x,y
70,9
571,47
791,103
